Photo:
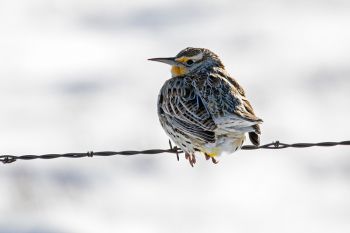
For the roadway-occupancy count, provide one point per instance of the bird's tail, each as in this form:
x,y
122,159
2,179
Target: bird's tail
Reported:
x,y
255,136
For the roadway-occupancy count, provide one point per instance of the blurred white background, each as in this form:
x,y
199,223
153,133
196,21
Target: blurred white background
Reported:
x,y
74,77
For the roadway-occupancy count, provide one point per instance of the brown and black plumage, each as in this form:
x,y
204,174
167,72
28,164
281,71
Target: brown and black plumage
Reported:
x,y
202,108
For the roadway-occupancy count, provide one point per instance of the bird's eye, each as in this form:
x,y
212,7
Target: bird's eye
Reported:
x,y
189,62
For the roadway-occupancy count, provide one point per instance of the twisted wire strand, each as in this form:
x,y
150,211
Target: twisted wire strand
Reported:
x,y
174,150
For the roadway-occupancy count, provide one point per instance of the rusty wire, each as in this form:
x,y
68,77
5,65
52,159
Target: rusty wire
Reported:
x,y
174,150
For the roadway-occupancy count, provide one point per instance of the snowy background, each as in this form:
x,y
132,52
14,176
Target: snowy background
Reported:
x,y
74,77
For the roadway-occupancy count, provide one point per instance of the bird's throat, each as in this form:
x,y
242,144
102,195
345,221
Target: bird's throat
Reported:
x,y
178,70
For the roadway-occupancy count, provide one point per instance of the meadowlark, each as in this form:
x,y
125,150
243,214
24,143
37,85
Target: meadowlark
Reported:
x,y
202,108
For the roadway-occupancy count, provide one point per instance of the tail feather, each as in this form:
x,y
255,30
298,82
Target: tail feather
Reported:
x,y
254,136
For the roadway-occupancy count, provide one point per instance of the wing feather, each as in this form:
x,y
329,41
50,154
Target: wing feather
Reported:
x,y
183,108
227,103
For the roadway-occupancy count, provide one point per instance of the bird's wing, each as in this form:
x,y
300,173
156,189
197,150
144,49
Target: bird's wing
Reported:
x,y
227,103
180,106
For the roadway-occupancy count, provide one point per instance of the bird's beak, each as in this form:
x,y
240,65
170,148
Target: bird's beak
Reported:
x,y
166,60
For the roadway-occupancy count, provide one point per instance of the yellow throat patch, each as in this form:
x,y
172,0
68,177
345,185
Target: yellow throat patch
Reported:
x,y
178,70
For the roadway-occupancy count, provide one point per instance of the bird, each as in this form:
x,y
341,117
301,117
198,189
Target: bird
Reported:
x,y
202,108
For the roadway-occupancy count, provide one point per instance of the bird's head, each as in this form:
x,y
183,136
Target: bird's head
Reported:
x,y
189,60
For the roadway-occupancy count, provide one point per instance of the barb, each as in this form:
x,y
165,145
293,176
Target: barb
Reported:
x,y
173,150
281,145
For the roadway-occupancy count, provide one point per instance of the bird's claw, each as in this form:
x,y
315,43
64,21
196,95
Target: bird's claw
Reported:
x,y
191,158
214,160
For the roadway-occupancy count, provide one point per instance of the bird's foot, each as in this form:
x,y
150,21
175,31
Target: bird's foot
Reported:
x,y
207,157
191,158
214,160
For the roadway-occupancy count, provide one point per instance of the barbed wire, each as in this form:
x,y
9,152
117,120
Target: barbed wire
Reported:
x,y
174,150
